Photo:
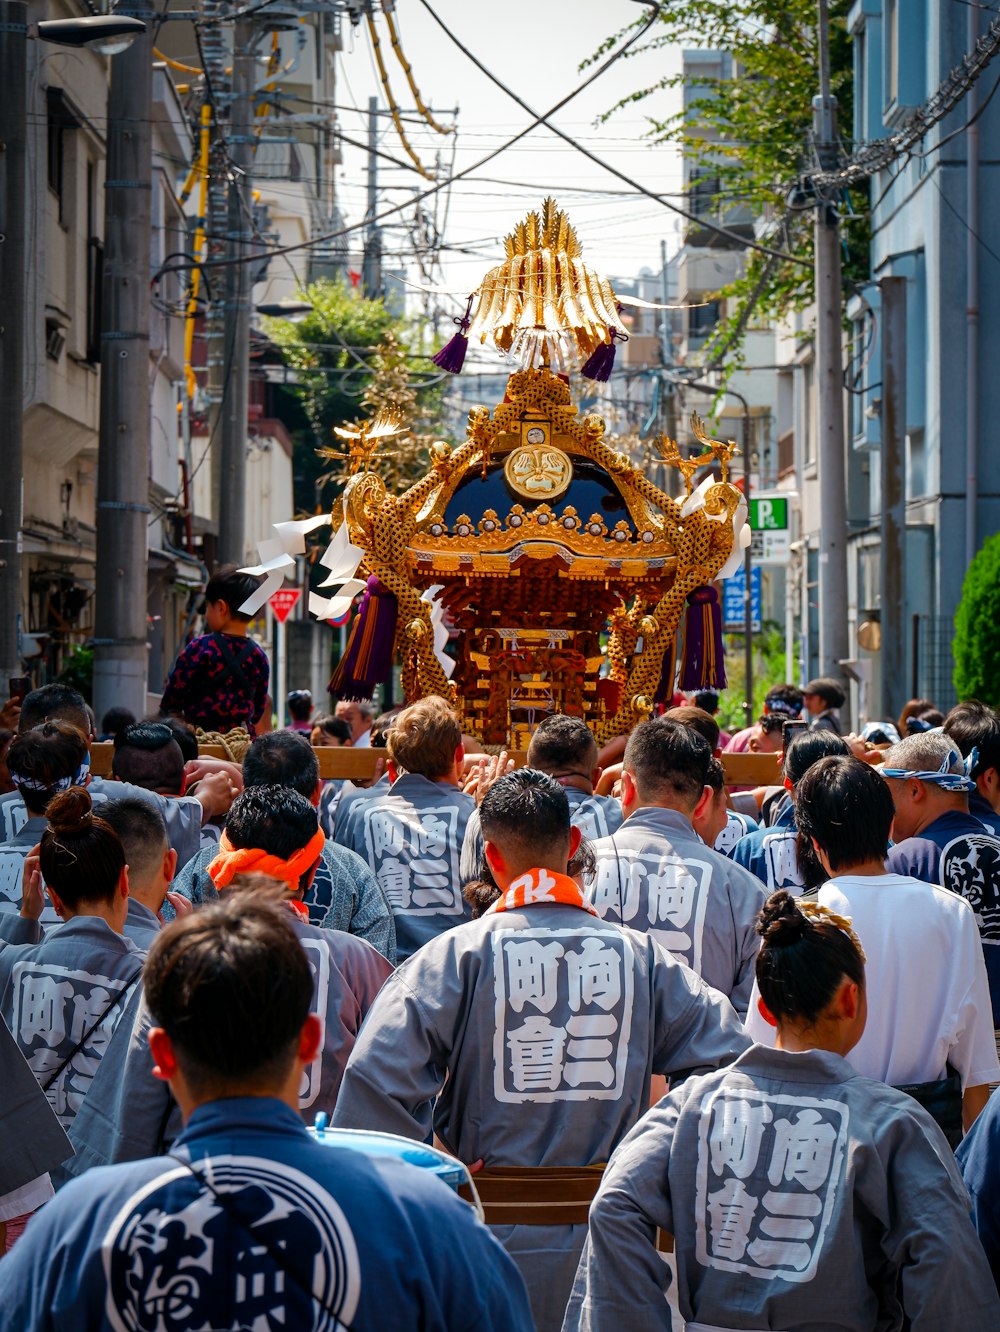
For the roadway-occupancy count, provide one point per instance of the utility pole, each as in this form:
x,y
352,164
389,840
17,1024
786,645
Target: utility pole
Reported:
x,y
218,353
892,582
833,637
236,319
972,243
13,121
120,653
372,266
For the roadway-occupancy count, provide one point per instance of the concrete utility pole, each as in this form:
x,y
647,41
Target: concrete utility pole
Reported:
x,y
13,115
833,637
892,583
372,265
218,353
120,654
972,244
236,320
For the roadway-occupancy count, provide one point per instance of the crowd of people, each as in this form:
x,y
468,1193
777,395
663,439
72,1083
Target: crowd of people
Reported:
x,y
711,1058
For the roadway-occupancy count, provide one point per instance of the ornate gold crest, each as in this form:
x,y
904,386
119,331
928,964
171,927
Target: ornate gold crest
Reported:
x,y
538,471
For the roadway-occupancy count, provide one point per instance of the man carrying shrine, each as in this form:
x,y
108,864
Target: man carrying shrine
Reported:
x,y
411,835
527,1039
565,748
657,875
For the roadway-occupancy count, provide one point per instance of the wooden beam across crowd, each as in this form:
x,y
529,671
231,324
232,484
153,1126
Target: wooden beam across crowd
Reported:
x,y
359,764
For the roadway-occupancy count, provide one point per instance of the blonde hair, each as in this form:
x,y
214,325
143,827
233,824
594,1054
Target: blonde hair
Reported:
x,y
424,737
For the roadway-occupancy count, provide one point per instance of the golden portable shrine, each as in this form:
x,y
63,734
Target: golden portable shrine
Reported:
x,y
564,570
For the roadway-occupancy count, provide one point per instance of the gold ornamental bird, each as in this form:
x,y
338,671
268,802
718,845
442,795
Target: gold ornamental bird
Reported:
x,y
364,441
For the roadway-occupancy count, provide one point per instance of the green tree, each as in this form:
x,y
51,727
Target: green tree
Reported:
x,y
335,351
976,648
752,134
403,458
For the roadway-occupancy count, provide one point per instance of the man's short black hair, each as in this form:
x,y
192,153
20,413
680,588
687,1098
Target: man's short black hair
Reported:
x,y
115,720
563,746
300,704
274,819
847,806
232,587
668,761
526,808
807,748
707,700
974,725
282,758
55,702
232,987
141,831
183,734
335,726
147,754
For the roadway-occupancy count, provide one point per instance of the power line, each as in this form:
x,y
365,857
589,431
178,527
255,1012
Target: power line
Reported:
x,y
881,153
432,189
724,232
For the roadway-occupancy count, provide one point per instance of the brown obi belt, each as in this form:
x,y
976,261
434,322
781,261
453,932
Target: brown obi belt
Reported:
x,y
536,1195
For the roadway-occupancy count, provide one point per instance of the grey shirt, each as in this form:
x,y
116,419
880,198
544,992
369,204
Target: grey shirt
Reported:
x,y
800,1195
129,1114
181,814
596,816
529,1038
657,874
411,836
63,998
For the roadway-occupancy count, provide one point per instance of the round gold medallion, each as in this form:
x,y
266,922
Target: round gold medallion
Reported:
x,y
538,471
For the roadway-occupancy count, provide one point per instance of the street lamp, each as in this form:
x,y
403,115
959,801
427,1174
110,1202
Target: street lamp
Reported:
x,y
105,34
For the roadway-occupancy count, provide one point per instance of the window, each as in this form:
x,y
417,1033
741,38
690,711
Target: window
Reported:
x,y
60,121
95,271
892,51
808,414
702,320
702,192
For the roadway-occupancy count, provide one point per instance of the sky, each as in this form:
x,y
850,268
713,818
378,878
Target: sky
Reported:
x,y
536,48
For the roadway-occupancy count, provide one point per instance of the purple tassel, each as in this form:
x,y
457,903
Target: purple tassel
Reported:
x,y
704,651
601,361
367,660
451,357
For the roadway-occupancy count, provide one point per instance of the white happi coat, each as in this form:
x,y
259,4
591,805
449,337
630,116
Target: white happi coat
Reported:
x,y
529,1038
800,1195
411,836
656,874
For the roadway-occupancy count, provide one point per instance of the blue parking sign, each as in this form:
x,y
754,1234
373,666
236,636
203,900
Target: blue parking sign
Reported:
x,y
732,601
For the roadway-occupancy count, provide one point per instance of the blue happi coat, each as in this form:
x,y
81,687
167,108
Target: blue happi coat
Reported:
x,y
292,1234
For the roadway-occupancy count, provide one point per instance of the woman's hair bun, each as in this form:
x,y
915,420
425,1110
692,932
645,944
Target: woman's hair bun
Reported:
x,y
780,922
70,812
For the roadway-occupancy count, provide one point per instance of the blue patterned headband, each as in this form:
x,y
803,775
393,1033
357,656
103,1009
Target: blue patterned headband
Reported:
x,y
947,780
79,778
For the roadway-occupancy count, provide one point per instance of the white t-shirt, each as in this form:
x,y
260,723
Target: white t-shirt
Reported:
x,y
928,996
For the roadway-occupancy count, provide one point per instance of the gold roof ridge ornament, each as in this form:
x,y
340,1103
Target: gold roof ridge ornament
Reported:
x,y
534,568
543,306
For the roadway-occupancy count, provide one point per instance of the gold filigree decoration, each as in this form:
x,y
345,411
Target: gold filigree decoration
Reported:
x,y
538,471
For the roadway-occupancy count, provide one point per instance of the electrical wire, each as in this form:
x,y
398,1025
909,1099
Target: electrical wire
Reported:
x,y
568,138
975,234
322,239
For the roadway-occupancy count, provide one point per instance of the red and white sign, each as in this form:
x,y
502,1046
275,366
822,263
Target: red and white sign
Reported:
x,y
283,602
